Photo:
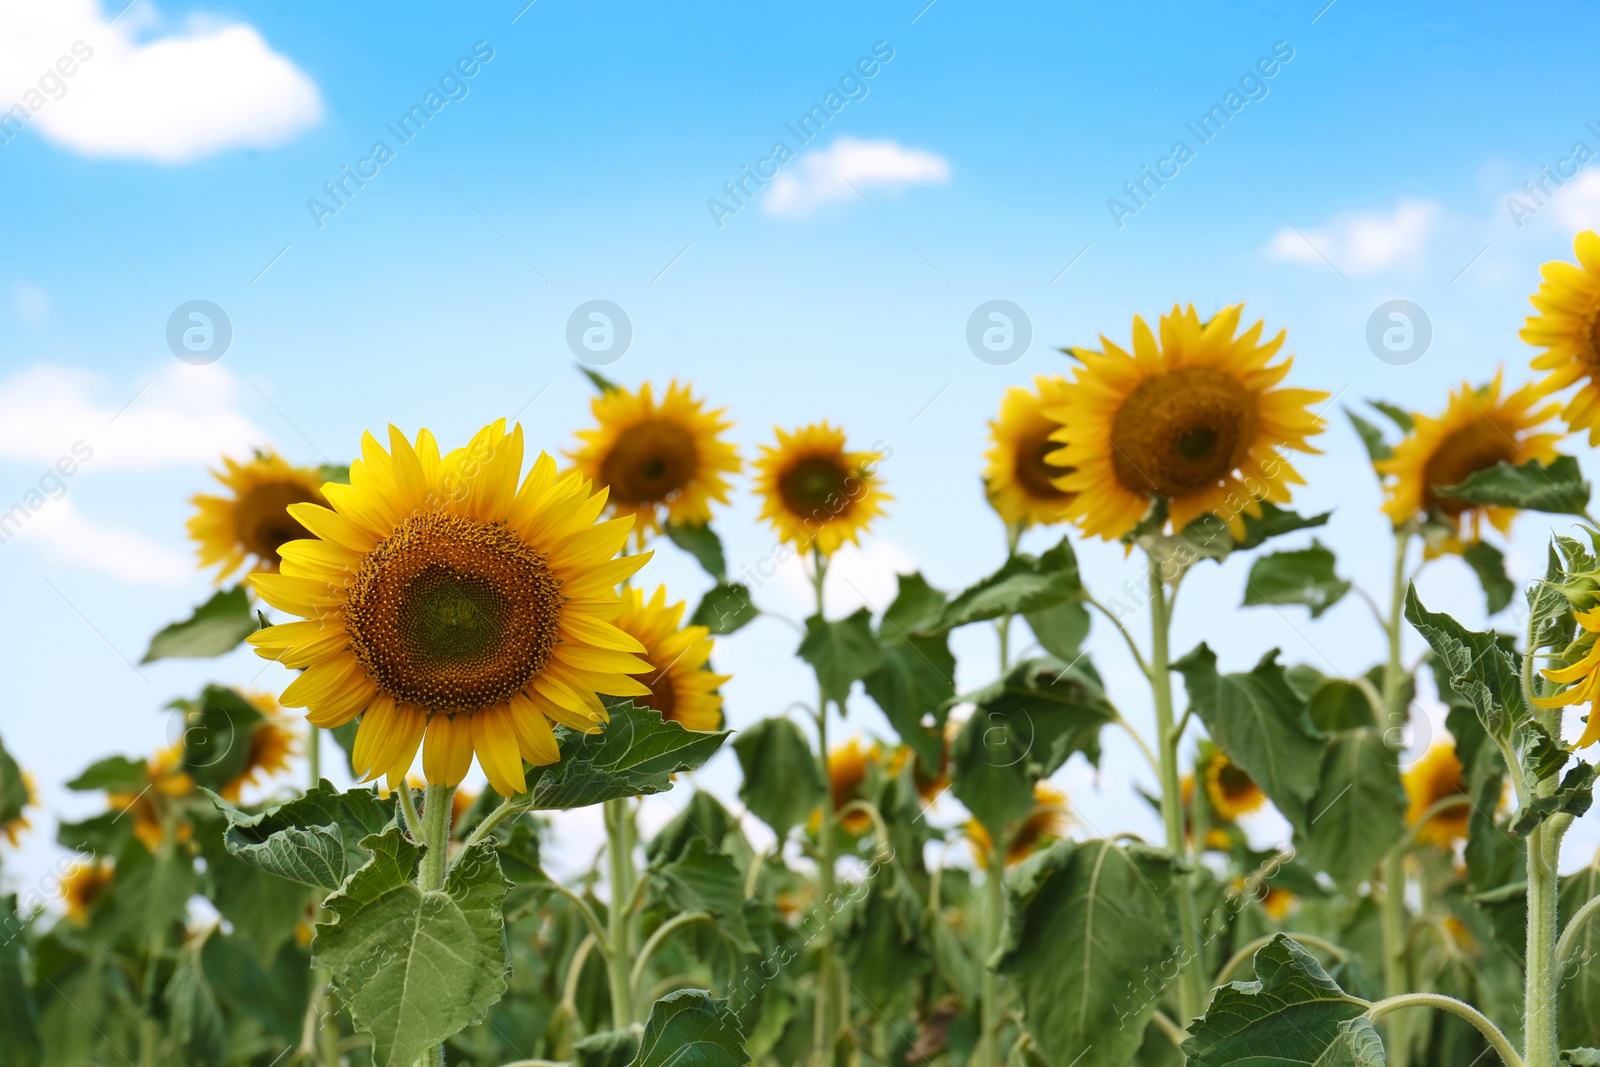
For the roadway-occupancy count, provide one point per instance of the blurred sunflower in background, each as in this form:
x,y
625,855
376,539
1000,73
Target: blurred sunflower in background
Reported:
x,y
1479,429
848,768
165,779
1216,838
274,741
681,688
13,830
250,524
817,493
1192,417
454,605
1050,820
82,885
1018,480
1567,327
661,461
1437,776
1231,791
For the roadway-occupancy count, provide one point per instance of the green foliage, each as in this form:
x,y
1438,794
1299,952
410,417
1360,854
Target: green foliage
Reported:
x,y
781,782
1358,810
1579,1013
1024,583
1061,630
192,1006
704,879
21,1044
703,544
1572,797
917,676
217,626
690,1028
216,735
726,608
1377,448
314,839
1533,486
1396,414
601,383
13,788
635,755
1209,536
1489,564
114,774
841,652
1479,670
1303,576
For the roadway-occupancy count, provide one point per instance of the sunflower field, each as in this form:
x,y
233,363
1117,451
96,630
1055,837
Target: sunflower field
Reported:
x,y
478,612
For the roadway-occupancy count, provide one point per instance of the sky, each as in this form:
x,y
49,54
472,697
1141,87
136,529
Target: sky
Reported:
x,y
394,216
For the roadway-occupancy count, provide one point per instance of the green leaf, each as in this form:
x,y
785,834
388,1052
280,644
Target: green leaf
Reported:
x,y
1087,933
917,676
218,728
691,1029
114,774
20,1041
1359,808
781,782
1304,576
1578,1014
1378,449
601,383
841,652
415,967
1261,724
1357,1045
725,608
1549,611
192,1009
1480,671
1397,415
1489,564
215,627
1291,1014
1336,704
14,788
635,755
704,879
1558,488
335,472
314,839
1061,630
1581,1057
703,544
1023,584
1573,797
1210,535
608,1048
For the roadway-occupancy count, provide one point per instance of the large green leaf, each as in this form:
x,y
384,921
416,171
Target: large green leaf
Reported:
x,y
1291,1015
703,544
1558,488
1023,583
20,1043
782,783
217,626
917,676
13,788
1578,1015
1087,933
690,1028
192,1009
841,652
1572,797
635,755
1303,576
414,967
1489,564
1378,450
1358,811
1259,721
1062,629
1210,536
703,879
1479,670
314,839
217,730
725,608
114,774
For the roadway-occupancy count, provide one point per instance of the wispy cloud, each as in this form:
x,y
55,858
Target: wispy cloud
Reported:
x,y
64,533
1362,242
848,165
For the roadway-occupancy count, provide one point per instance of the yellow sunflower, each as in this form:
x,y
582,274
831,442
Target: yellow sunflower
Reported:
x,y
1233,792
165,779
681,688
1192,417
1437,776
1018,481
1581,677
82,886
930,782
666,458
1216,838
1568,329
452,608
12,831
1278,902
848,767
253,521
1479,428
273,743
1049,821
814,492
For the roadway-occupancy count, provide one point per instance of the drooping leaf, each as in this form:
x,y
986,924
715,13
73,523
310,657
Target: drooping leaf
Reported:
x,y
1292,1014
703,544
13,788
690,1028
1061,630
725,609
635,755
1378,450
215,627
1397,415
217,733
841,652
1336,704
704,818
601,383
1358,811
1210,536
114,774
1578,1014
1087,933
1581,1057
781,783
313,839
1479,670
704,879
1558,487
195,1017
1489,564
414,967
608,1048
1573,797
1303,576
1357,1045
1259,721
20,1042
917,676
1024,583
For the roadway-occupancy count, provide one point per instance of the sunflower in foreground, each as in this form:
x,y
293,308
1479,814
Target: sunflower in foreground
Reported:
x,y
1018,479
1048,821
815,492
848,768
1479,428
165,780
660,460
1232,792
682,689
1192,417
273,743
1568,329
82,885
1437,776
13,830
1581,676
452,608
252,522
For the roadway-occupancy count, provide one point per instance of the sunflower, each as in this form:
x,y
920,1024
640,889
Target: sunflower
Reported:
x,y
273,742
1278,902
1216,838
1018,481
252,522
1478,429
815,492
1581,676
1232,792
681,688
82,885
658,458
1048,821
1437,776
12,831
1192,418
165,779
929,782
1568,329
452,609
848,768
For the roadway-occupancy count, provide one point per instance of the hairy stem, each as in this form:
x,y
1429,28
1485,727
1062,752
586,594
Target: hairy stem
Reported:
x,y
619,856
828,1012
1489,1030
1395,915
435,863
988,1054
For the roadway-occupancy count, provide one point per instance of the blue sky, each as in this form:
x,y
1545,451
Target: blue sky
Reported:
x,y
577,163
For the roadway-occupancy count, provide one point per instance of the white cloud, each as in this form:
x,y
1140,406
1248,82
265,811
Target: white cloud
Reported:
x,y
181,95
1577,203
827,174
1362,242
185,415
126,555
858,576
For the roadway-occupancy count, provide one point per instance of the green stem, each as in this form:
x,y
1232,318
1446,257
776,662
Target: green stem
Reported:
x,y
508,808
1191,982
1244,955
1543,974
619,854
1395,916
314,754
1489,1030
988,1054
655,940
431,874
826,1026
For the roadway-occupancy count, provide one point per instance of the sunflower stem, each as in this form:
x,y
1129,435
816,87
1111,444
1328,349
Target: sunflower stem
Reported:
x,y
619,856
988,1052
1395,916
828,1013
314,754
436,803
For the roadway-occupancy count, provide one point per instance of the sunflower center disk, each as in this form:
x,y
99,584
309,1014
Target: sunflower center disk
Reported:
x,y
816,487
1463,452
1030,469
1182,431
453,614
261,521
649,462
